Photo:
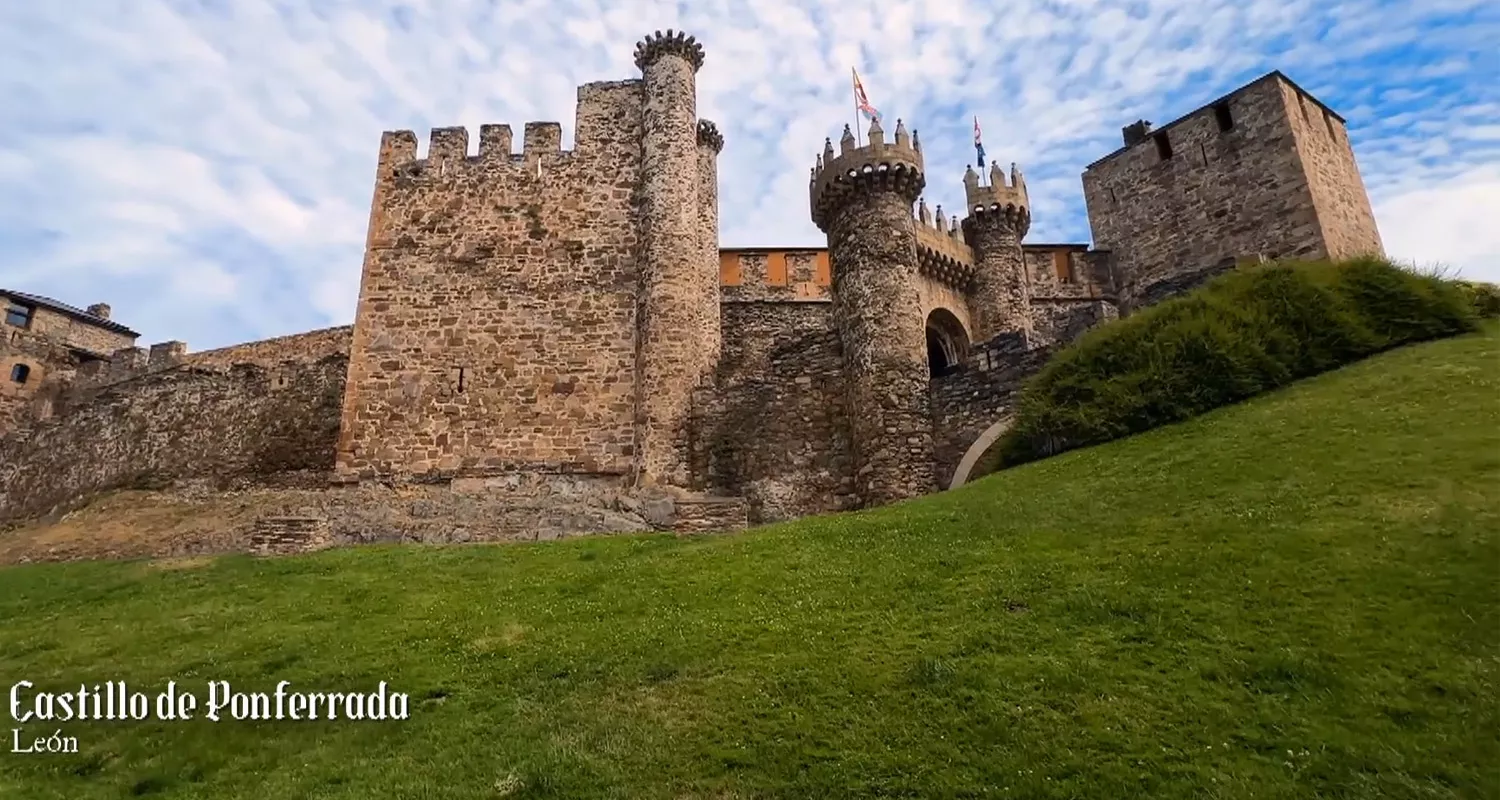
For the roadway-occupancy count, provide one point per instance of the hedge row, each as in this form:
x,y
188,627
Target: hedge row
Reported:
x,y
1244,333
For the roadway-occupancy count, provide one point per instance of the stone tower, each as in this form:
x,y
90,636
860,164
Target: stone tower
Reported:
x,y
1266,171
998,217
546,312
862,199
678,317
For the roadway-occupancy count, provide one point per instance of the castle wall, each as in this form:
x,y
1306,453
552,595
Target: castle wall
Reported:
x,y
774,431
1343,207
496,325
301,347
1220,197
246,423
1060,321
774,274
977,394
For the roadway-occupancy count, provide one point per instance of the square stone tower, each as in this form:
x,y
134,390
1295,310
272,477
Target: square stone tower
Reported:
x,y
1265,171
543,312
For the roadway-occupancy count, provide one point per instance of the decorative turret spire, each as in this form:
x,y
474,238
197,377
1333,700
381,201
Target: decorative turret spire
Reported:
x,y
846,142
997,178
902,139
971,178
922,213
1016,178
828,149
942,221
916,141
877,133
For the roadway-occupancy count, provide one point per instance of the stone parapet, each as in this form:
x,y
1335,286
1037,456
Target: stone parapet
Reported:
x,y
879,165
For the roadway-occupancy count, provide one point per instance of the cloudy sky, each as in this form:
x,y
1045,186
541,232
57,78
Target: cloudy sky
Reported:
x,y
205,166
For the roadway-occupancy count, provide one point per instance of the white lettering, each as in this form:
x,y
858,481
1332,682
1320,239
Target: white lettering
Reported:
x,y
214,701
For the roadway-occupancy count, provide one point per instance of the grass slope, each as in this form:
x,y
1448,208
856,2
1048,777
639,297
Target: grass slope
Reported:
x,y
1293,597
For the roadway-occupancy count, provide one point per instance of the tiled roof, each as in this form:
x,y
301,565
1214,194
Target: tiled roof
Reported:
x,y
63,308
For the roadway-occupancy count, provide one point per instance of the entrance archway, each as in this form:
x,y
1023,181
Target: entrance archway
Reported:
x,y
947,342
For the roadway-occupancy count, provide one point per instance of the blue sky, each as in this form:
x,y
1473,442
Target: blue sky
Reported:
x,y
205,166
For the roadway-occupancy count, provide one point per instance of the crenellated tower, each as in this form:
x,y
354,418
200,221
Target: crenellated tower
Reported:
x,y
862,199
676,328
998,217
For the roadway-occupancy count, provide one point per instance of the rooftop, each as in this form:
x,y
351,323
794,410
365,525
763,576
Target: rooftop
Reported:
x,y
65,309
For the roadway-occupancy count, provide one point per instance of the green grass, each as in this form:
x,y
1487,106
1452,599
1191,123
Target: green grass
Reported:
x,y
1292,597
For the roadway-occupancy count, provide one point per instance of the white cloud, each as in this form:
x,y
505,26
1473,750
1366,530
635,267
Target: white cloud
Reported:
x,y
206,168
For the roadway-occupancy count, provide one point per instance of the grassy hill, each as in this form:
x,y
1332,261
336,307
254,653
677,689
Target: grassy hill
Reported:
x,y
1298,596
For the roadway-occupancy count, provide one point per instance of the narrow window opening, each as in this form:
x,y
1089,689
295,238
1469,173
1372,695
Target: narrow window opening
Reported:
x,y
1203,150
1113,199
460,376
1223,117
19,373
1163,146
18,315
1328,120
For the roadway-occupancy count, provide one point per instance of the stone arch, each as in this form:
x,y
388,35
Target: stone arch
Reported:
x,y
966,464
947,341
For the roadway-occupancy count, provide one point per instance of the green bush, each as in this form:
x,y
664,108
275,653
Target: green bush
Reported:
x,y
1485,297
1242,334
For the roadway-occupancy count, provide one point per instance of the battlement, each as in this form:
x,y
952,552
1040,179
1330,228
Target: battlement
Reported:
x,y
895,167
448,148
599,125
998,195
677,43
709,136
942,253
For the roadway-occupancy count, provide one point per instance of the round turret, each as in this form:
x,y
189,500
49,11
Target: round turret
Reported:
x,y
877,167
999,215
862,198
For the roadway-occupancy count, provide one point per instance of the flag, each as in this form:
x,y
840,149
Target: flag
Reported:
x,y
861,100
978,145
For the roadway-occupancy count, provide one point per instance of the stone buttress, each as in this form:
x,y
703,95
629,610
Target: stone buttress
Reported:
x,y
862,199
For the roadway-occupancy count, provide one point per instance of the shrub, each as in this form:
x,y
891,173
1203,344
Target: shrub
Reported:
x,y
1485,297
1242,334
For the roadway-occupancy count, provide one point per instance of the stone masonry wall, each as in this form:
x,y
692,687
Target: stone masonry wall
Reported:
x,y
496,325
1338,191
774,431
187,422
301,347
877,308
780,275
48,367
1001,296
673,321
977,394
1060,321
72,332
1220,197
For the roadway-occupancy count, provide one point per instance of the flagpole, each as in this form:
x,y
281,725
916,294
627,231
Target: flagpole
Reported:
x,y
854,89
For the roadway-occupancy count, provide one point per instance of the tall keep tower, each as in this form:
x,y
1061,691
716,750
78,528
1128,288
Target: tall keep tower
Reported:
x,y
679,329
998,217
862,199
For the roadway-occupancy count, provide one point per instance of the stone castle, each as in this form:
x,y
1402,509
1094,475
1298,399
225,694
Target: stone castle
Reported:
x,y
560,329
